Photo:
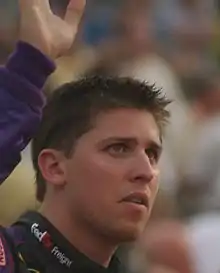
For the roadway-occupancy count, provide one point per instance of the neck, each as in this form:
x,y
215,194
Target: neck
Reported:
x,y
95,247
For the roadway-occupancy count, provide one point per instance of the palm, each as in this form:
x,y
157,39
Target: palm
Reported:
x,y
46,31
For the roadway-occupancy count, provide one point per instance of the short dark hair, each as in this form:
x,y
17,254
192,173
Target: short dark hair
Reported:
x,y
72,108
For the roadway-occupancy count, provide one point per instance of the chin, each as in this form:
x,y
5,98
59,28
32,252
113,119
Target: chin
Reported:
x,y
129,233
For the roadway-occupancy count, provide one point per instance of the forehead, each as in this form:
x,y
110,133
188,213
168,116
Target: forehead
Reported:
x,y
126,123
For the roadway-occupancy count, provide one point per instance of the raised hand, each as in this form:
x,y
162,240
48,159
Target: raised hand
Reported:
x,y
47,32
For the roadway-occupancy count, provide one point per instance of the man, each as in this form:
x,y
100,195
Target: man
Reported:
x,y
96,160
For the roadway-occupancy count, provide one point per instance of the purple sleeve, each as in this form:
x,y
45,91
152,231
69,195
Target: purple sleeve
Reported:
x,y
21,102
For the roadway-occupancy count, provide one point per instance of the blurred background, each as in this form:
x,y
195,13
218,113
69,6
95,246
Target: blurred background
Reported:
x,y
174,44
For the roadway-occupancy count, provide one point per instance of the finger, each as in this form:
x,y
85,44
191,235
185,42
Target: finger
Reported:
x,y
41,4
74,12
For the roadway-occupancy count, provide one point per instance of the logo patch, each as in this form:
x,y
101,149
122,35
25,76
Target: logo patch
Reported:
x,y
45,238
2,254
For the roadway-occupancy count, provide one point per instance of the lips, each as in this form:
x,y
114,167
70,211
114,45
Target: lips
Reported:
x,y
138,198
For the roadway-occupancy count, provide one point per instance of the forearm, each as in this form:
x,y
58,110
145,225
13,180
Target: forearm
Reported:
x,y
21,102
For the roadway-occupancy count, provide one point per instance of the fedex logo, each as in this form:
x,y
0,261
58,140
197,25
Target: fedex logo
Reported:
x,y
45,239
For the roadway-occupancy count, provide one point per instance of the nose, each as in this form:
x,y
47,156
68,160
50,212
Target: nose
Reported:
x,y
142,169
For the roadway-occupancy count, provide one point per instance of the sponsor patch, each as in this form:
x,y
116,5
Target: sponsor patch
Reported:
x,y
2,254
45,238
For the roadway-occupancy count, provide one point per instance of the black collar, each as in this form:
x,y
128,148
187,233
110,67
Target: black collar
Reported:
x,y
54,248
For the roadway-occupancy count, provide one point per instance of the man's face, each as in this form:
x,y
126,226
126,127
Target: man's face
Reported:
x,y
112,176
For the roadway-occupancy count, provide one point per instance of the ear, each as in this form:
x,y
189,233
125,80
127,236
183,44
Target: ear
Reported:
x,y
52,166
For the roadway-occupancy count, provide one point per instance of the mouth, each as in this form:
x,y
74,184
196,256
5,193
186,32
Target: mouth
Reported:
x,y
138,198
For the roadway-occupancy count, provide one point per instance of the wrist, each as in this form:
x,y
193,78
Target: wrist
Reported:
x,y
29,62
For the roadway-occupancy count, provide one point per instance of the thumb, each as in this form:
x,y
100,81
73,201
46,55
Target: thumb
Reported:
x,y
74,12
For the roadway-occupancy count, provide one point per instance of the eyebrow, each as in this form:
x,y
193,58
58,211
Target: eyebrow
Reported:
x,y
152,143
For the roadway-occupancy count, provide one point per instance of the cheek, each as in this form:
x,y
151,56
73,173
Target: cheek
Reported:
x,y
154,186
95,178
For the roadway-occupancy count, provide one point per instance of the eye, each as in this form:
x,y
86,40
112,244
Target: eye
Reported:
x,y
118,149
153,155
